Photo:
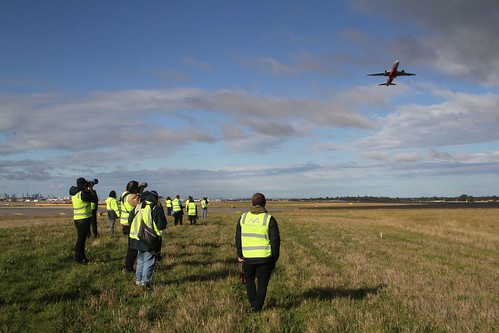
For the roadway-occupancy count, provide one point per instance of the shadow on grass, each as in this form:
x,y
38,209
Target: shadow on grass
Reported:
x,y
324,294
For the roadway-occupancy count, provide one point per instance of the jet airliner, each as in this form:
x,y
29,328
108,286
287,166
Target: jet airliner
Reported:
x,y
392,74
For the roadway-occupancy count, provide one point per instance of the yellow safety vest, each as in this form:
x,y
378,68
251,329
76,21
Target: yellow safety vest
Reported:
x,y
255,235
169,203
142,214
203,203
191,208
112,204
176,205
126,208
81,209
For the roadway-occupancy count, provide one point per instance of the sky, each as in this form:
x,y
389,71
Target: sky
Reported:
x,y
226,98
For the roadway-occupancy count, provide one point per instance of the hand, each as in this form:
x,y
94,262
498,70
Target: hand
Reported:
x,y
239,259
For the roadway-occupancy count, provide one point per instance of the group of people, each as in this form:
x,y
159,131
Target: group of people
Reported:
x,y
257,237
175,207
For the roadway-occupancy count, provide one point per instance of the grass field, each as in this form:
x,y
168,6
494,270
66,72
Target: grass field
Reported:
x,y
383,270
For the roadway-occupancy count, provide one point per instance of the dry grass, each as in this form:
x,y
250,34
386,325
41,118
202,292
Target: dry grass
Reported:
x,y
431,271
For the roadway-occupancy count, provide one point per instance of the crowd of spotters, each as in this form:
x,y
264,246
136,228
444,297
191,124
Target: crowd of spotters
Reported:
x,y
143,219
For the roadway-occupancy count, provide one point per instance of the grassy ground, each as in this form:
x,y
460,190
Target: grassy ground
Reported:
x,y
340,271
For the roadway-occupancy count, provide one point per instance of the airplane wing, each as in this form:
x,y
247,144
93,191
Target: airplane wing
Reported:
x,y
403,73
379,74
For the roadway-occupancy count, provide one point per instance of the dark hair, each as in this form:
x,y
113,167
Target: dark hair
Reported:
x,y
133,186
112,194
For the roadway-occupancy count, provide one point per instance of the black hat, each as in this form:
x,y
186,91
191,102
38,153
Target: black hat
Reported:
x,y
258,199
80,182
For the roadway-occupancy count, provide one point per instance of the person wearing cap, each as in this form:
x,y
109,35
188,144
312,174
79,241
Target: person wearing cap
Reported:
x,y
113,211
151,212
82,197
258,244
178,210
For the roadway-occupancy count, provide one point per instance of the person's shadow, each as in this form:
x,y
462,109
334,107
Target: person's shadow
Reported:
x,y
323,294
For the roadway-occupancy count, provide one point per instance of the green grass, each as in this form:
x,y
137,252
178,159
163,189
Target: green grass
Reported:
x,y
432,271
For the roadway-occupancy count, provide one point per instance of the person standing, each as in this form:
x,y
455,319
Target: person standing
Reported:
x,y
113,211
192,211
129,199
81,197
178,210
95,206
258,244
169,206
204,206
153,215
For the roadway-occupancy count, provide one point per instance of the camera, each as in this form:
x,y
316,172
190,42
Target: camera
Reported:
x,y
91,183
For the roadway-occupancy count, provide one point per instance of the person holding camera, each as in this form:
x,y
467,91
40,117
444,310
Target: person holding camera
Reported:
x,y
257,243
129,199
93,221
151,213
82,197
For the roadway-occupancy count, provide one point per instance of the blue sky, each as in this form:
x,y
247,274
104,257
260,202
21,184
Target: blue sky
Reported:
x,y
226,98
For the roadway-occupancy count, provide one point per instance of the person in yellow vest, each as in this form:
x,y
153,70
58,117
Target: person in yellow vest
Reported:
x,y
178,210
192,210
258,244
152,213
113,211
82,197
169,206
129,199
204,206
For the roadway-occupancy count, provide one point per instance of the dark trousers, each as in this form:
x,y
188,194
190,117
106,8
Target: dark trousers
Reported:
x,y
82,227
93,224
177,218
257,291
131,254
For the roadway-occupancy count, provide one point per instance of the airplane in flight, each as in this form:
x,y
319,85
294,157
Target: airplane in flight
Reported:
x,y
392,74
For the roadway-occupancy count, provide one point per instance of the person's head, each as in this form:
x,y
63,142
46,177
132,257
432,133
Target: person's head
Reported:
x,y
190,197
81,182
112,194
258,199
177,196
132,187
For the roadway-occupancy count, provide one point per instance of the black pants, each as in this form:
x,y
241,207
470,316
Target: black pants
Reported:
x,y
131,254
82,227
93,224
257,291
177,218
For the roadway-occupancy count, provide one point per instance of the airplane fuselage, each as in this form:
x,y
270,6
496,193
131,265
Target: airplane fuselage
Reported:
x,y
393,73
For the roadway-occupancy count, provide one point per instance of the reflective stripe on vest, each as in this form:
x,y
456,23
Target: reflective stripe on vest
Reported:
x,y
142,214
126,208
254,235
81,209
176,205
191,208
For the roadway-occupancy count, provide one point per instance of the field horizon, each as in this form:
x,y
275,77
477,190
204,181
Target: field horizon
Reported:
x,y
369,270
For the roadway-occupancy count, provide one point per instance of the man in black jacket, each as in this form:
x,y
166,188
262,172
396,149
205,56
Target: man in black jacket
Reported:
x,y
82,197
257,242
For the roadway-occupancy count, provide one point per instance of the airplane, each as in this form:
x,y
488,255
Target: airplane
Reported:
x,y
392,74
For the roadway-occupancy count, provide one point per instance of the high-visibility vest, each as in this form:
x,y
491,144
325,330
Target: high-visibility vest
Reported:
x,y
176,205
255,235
112,204
203,204
126,208
168,203
81,209
142,214
191,208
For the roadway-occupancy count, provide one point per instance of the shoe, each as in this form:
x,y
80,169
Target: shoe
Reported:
x,y
255,310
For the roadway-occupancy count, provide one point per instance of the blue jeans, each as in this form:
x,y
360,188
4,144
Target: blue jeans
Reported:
x,y
145,266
